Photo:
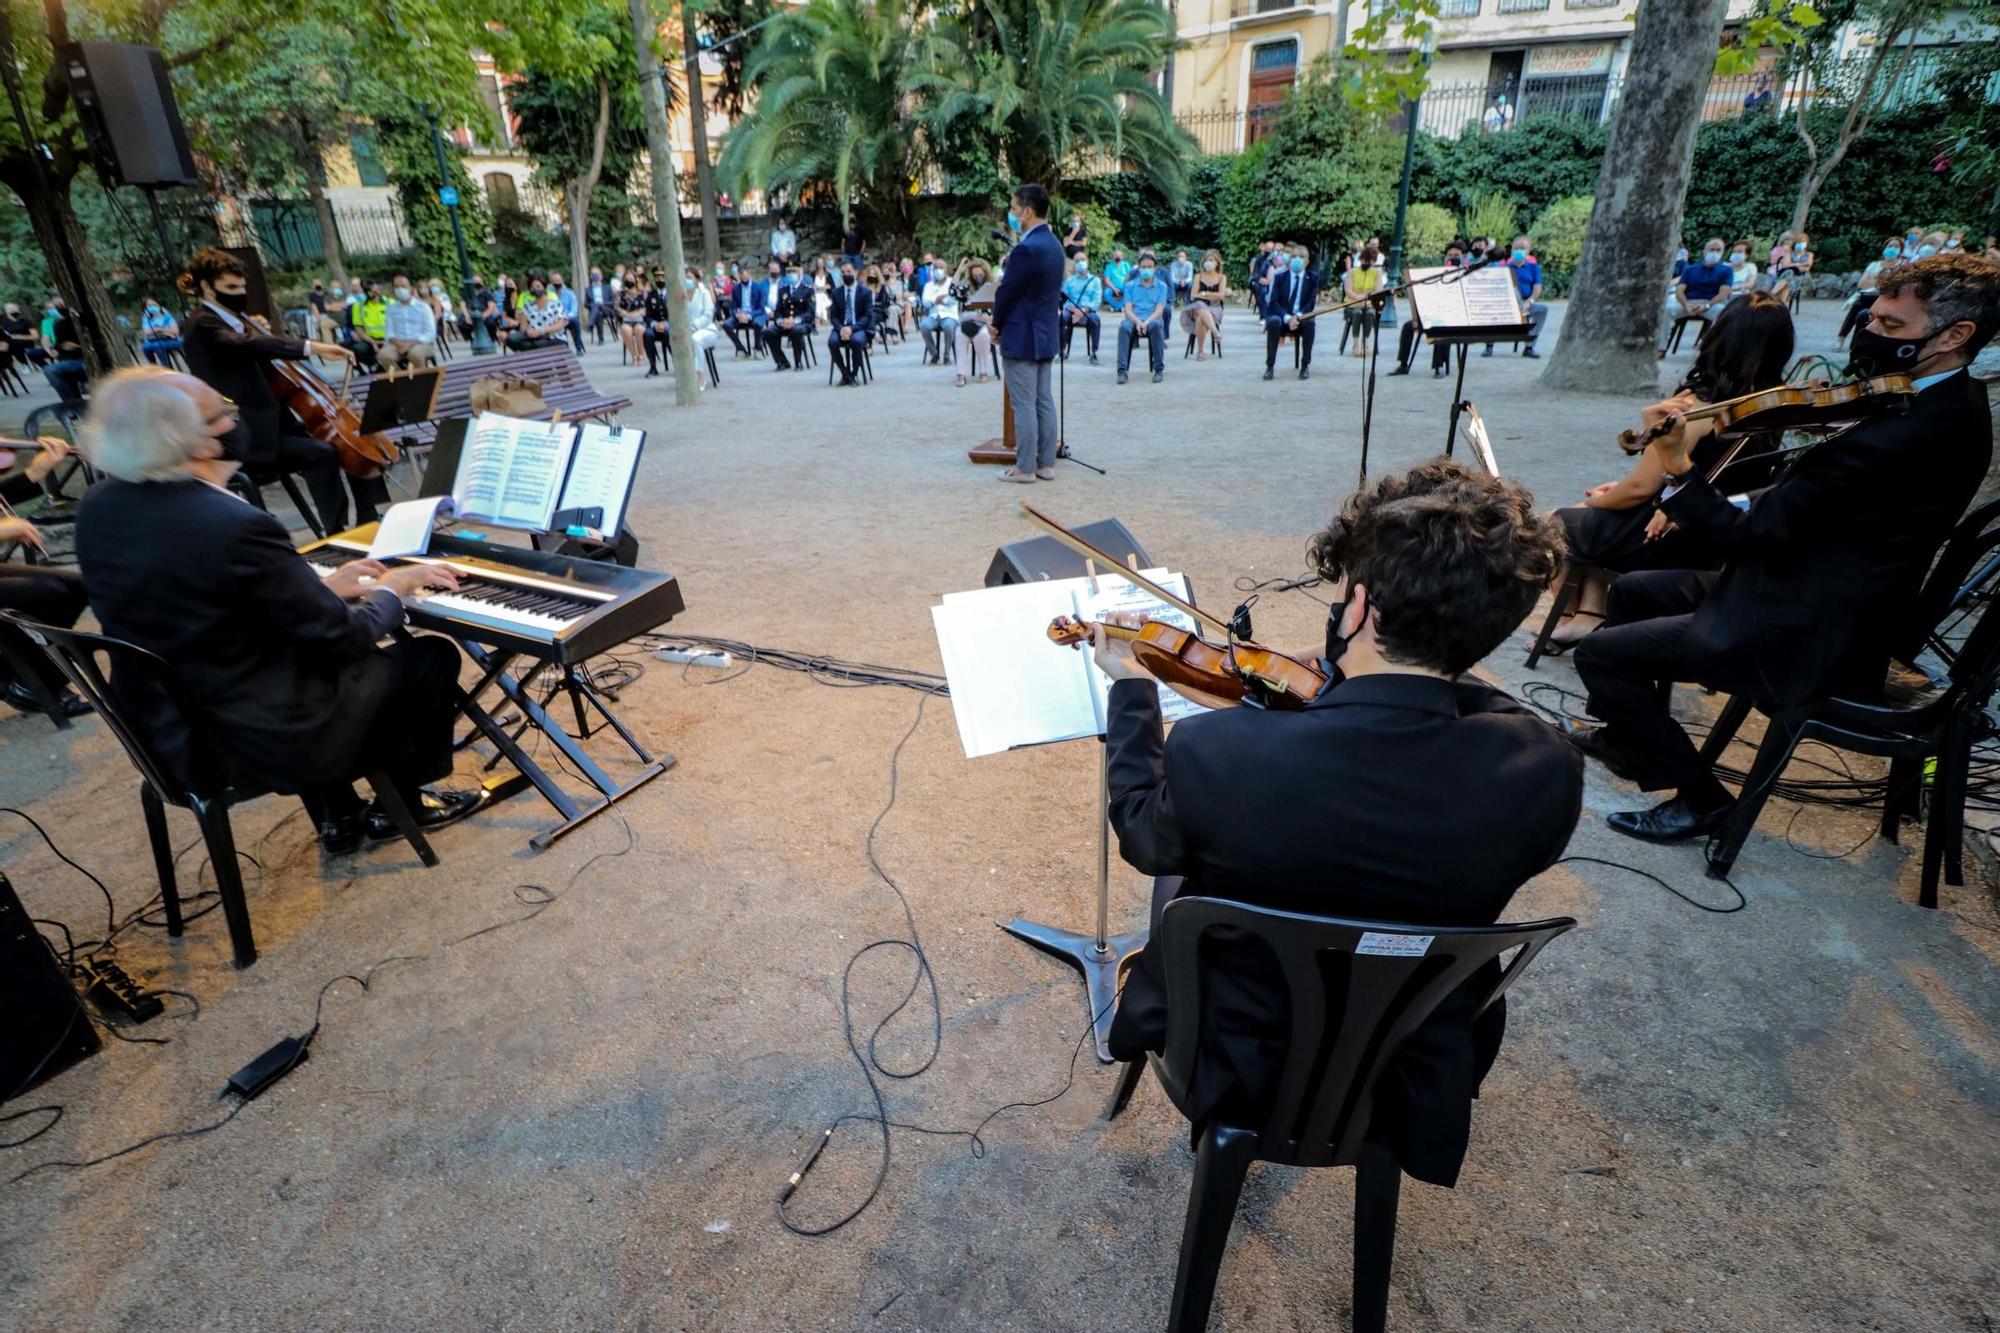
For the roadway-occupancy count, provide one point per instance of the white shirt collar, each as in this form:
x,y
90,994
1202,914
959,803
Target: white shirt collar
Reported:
x,y
1921,384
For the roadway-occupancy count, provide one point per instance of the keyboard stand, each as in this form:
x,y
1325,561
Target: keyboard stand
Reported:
x,y
493,666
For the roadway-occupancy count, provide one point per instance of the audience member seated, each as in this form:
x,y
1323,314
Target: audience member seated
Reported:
x,y
1147,303
1864,293
1699,286
370,320
1202,318
1616,528
850,320
793,317
1406,339
22,337
659,325
541,319
1408,791
565,297
974,348
286,661
1527,271
409,330
784,242
939,322
1116,274
1819,573
159,333
632,319
1082,294
1180,277
65,371
1364,277
602,302
1293,292
51,594
701,312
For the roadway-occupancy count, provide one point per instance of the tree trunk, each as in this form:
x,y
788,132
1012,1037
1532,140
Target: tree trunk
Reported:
x,y
329,230
579,193
1609,336
666,196
704,175
1860,113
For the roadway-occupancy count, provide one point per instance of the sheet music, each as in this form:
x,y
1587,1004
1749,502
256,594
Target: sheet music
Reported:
x,y
601,471
1473,427
510,471
1477,298
405,528
1116,594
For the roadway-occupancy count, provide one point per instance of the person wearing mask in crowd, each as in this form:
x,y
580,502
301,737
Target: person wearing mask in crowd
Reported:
x,y
1527,271
794,315
601,301
1742,269
1700,286
851,249
887,316
1791,261
659,325
541,320
1260,270
722,297
850,320
1499,114
1180,277
1364,277
1864,294
438,297
1202,319
160,334
701,315
784,241
409,330
632,317
974,348
756,304
1955,242
1117,273
66,372
1680,262
1077,239
368,321
1144,315
21,336
939,324
565,298
1406,339
1082,294
1294,291
1027,309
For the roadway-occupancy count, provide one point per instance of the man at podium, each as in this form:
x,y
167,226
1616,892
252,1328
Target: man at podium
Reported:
x,y
1026,311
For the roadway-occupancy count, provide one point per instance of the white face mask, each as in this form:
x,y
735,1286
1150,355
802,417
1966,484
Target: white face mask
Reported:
x,y
403,294
1208,266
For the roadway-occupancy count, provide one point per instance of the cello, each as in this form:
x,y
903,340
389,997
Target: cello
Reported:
x,y
327,416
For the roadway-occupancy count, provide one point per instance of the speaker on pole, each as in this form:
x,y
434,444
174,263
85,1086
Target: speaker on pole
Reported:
x,y
1046,558
126,106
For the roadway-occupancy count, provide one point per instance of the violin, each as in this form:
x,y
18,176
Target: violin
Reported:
x,y
1788,407
1197,670
328,416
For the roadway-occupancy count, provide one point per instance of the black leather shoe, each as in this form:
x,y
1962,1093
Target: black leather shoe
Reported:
x,y
1305,372
433,810
18,696
1267,372
1400,370
1593,743
1669,821
342,836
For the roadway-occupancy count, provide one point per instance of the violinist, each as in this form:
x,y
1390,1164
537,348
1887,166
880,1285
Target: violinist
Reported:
x,y
1821,569
228,349
1406,791
1615,528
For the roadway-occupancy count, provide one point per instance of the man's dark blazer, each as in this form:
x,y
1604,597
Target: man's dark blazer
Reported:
x,y
863,319
213,585
1819,574
1278,304
795,301
1026,303
1395,798
232,363
754,298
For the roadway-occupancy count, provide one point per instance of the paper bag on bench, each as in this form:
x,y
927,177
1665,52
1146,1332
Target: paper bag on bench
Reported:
x,y
509,395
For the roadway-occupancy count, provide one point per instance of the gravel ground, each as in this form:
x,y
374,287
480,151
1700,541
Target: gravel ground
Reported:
x,y
1781,1119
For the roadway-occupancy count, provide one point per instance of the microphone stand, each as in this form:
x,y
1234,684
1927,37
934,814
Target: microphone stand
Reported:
x,y
1062,398
1378,301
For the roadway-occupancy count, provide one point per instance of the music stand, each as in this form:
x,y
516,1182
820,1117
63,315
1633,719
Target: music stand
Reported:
x,y
1458,307
401,398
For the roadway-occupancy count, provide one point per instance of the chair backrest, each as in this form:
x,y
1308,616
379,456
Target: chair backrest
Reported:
x,y
1951,582
142,678
1357,989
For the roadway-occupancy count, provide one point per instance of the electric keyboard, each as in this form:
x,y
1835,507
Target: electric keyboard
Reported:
x,y
558,607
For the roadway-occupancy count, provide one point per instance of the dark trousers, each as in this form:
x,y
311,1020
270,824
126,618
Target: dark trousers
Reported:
x,y
1406,348
743,337
576,336
67,378
1092,326
409,737
1274,329
659,347
315,463
1630,666
775,340
846,353
528,342
49,594
1857,314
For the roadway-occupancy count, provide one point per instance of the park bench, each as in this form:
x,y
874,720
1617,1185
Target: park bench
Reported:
x,y
565,389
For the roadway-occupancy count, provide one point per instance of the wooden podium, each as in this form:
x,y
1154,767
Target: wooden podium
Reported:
x,y
1000,448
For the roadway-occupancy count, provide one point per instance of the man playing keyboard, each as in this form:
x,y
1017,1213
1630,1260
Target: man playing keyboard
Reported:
x,y
290,664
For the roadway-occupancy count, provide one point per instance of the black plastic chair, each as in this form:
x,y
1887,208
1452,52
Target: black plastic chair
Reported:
x,y
1680,327
208,791
1358,990
1944,728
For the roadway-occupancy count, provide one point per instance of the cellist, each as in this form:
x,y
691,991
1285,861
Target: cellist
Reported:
x,y
227,349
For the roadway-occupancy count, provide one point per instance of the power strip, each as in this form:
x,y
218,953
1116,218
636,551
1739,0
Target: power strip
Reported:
x,y
701,657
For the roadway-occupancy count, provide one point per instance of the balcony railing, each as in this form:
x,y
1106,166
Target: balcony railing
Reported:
x,y
1247,9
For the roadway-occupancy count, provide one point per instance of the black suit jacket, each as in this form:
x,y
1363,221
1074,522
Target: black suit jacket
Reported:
x,y
1391,797
1278,305
232,364
864,311
1820,573
212,584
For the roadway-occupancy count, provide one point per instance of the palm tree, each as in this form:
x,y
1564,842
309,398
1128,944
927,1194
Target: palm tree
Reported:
x,y
834,108
1064,84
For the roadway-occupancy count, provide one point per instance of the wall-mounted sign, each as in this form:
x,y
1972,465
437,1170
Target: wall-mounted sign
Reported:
x,y
1569,59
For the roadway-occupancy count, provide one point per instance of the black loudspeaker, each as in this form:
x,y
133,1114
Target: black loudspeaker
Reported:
x,y
1047,558
47,1029
128,113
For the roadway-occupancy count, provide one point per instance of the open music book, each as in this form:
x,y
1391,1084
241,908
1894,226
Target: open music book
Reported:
x,y
1472,302
534,475
1011,686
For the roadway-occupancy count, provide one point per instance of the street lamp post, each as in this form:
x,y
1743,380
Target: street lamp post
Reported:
x,y
482,345
1410,109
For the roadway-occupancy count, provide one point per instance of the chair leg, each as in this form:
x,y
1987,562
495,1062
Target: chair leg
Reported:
x,y
163,854
1378,1184
1727,723
213,816
1570,593
1780,739
1220,1163
399,812
314,519
1954,811
1129,1075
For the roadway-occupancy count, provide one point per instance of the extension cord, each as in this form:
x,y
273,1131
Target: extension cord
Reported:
x,y
112,991
701,657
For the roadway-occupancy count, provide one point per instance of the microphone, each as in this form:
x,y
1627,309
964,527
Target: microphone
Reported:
x,y
1002,237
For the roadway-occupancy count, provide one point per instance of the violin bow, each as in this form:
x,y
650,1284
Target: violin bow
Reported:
x,y
1111,565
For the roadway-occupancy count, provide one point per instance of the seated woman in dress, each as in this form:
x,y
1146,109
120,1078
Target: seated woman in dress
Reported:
x,y
1202,316
1747,349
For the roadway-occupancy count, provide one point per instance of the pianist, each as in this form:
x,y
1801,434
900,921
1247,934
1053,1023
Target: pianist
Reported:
x,y
304,698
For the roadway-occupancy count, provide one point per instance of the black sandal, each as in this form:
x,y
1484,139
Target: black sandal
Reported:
x,y
1556,647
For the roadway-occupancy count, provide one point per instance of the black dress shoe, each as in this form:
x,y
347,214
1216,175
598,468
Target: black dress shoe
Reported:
x,y
1593,743
1267,372
1400,370
20,697
1669,821
433,810
342,836
1305,372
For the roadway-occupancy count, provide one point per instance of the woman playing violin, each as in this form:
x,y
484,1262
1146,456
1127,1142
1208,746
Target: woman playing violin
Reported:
x,y
1614,529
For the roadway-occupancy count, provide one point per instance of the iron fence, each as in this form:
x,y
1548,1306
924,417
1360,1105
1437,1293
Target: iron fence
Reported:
x,y
289,234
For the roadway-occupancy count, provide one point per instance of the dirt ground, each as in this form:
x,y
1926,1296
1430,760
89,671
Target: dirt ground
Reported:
x,y
1778,1120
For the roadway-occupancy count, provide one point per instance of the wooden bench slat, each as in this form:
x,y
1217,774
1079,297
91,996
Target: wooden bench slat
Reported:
x,y
565,389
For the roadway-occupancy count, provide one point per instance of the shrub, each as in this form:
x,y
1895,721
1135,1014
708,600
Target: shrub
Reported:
x,y
1427,230
1558,234
946,229
1144,217
1490,214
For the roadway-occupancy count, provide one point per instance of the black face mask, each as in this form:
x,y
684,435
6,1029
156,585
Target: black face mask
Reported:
x,y
237,302
1872,353
236,444
1336,642
847,279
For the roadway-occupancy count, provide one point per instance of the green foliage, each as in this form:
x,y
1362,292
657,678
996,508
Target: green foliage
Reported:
x,y
1427,230
1147,218
1491,214
411,158
1241,208
1557,235
1381,74
720,25
945,229
23,271
1533,166
558,118
1104,228
1773,24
